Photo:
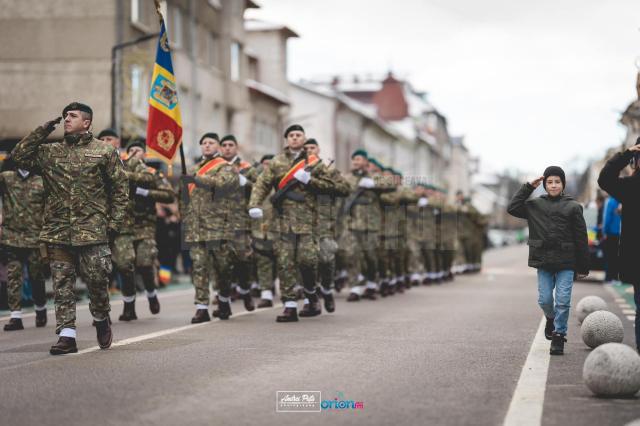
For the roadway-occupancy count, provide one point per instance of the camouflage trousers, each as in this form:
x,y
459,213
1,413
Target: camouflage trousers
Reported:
x,y
361,251
414,256
445,260
213,259
327,249
242,261
296,256
93,264
130,255
391,257
17,259
265,258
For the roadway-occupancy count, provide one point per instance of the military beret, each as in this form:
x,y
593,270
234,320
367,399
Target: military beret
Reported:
x,y
77,106
266,157
396,172
311,141
360,152
293,128
209,135
108,132
229,138
376,163
136,142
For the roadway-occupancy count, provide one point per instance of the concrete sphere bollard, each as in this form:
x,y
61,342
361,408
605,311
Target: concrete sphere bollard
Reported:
x,y
601,327
590,304
612,370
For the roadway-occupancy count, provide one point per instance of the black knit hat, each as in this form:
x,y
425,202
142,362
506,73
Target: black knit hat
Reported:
x,y
209,135
554,171
77,106
293,128
229,138
108,132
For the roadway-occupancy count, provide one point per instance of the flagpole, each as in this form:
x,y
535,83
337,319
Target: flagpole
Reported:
x,y
183,163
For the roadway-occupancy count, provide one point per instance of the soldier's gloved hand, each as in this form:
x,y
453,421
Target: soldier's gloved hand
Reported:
x,y
50,126
367,182
423,202
142,192
302,176
243,180
255,213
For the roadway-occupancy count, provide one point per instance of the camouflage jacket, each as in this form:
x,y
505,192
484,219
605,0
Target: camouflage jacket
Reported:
x,y
297,217
422,224
366,211
446,226
144,207
207,214
85,186
327,207
136,175
22,208
394,211
240,215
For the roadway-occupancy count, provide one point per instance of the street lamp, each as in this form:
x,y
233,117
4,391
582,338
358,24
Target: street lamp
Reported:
x,y
115,74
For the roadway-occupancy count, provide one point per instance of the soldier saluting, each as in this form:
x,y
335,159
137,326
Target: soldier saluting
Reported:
x,y
86,193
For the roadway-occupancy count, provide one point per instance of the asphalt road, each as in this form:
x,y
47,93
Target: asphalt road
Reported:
x,y
445,354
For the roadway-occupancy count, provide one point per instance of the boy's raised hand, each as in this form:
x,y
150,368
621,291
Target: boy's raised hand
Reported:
x,y
536,182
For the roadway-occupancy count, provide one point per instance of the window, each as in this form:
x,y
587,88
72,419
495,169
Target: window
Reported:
x,y
212,50
139,91
235,61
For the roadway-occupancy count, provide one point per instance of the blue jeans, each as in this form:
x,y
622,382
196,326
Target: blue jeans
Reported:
x,y
562,281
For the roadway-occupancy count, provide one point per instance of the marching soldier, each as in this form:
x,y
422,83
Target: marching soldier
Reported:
x,y
363,217
22,209
422,233
327,210
265,234
152,187
111,137
208,229
464,233
298,178
247,174
85,204
446,221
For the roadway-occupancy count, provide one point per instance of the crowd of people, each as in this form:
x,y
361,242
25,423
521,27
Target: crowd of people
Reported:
x,y
83,206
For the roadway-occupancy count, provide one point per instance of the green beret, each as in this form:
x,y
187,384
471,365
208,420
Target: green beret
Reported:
x,y
293,128
77,106
108,132
360,152
136,142
210,135
376,163
311,141
229,138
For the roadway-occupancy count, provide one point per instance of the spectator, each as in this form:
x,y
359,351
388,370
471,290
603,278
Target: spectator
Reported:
x,y
611,237
627,191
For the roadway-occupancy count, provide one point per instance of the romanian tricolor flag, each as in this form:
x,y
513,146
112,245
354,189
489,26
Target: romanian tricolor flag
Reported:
x,y
164,127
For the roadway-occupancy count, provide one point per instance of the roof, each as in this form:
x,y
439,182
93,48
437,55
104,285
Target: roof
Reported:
x,y
255,25
268,91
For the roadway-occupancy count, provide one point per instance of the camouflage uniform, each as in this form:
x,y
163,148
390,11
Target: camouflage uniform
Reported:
x,y
327,213
296,249
242,225
86,200
363,224
144,228
22,209
394,233
465,232
265,234
447,229
422,239
208,228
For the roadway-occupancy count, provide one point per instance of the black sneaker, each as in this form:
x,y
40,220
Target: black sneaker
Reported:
x,y
557,344
548,329
14,324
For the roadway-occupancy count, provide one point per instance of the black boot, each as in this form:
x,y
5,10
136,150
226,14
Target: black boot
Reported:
x,y
103,333
353,297
338,284
94,322
202,315
41,318
312,308
329,302
65,345
223,312
128,312
14,324
384,288
288,315
370,294
154,304
265,303
557,344
248,302
548,328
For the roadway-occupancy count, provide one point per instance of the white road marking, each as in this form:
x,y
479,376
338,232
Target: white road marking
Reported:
x,y
117,302
528,399
629,311
631,317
